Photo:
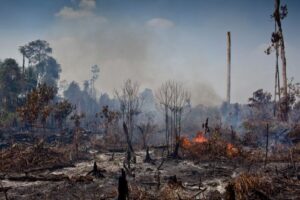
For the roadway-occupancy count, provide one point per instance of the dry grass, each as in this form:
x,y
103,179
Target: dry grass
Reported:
x,y
213,149
21,158
245,185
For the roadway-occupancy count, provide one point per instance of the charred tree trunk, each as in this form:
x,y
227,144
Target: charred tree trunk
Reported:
x,y
76,138
277,17
96,172
267,145
123,187
148,158
233,135
144,138
176,149
130,151
277,78
228,66
23,65
171,131
167,127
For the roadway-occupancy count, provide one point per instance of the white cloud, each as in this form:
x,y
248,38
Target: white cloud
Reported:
x,y
160,23
84,10
87,4
71,13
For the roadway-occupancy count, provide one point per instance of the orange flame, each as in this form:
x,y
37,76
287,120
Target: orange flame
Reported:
x,y
199,138
185,142
231,150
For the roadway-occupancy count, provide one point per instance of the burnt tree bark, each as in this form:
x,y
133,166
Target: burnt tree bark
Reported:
x,y
228,67
130,152
278,16
96,172
123,187
267,145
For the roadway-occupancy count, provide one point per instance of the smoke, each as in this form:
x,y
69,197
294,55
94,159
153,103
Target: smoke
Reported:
x,y
204,94
148,52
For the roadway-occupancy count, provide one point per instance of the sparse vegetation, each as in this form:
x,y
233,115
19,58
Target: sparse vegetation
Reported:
x,y
74,141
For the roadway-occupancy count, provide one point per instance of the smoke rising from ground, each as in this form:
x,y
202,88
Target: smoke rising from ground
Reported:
x,y
147,53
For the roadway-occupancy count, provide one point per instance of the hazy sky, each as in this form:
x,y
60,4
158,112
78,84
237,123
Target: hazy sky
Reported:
x,y
151,41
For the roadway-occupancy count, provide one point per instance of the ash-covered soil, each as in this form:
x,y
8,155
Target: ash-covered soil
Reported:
x,y
194,177
194,180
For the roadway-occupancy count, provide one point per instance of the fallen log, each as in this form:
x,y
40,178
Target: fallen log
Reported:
x,y
52,168
28,178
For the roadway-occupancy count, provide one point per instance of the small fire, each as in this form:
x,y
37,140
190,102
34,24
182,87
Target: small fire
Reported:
x,y
199,138
185,142
231,150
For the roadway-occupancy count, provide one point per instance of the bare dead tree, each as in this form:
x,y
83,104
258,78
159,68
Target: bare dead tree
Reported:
x,y
130,106
180,101
280,12
163,96
278,16
146,128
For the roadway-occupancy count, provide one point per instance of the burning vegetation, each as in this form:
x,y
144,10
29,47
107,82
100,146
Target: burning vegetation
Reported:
x,y
63,142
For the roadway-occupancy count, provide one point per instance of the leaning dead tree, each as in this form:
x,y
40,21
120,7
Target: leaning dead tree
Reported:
x,y
130,106
280,12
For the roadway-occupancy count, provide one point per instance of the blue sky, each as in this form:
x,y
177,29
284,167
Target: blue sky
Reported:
x,y
153,41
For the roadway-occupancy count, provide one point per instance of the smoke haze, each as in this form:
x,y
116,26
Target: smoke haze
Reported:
x,y
145,53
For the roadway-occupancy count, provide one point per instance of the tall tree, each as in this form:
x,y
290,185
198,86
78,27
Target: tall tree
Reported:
x,y
280,12
10,84
23,52
38,53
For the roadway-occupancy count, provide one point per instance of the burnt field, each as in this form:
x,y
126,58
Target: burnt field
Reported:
x,y
149,100
205,168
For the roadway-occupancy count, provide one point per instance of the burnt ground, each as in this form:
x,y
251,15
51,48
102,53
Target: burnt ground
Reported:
x,y
194,180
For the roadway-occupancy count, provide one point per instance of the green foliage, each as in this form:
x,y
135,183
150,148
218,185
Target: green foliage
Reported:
x,y
46,67
260,98
10,84
31,92
36,51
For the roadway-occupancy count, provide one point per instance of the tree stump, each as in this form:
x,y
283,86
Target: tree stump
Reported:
x,y
123,187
